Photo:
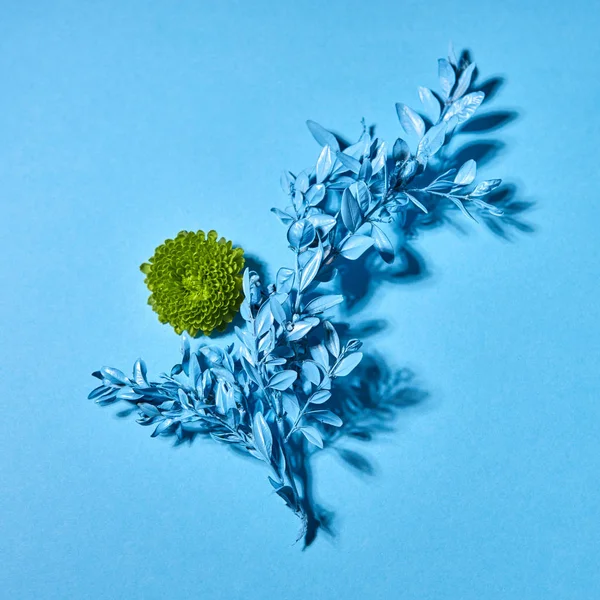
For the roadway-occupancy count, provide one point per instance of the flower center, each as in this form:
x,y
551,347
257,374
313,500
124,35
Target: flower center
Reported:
x,y
195,287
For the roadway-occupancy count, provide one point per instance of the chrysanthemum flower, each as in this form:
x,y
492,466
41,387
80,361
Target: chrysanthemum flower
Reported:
x,y
195,282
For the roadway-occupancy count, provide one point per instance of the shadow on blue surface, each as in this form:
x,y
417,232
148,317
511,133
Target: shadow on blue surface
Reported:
x,y
370,400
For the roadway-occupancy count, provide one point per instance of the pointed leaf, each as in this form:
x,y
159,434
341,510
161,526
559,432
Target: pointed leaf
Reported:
x,y
323,137
411,122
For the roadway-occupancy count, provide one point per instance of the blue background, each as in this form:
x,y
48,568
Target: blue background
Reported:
x,y
122,123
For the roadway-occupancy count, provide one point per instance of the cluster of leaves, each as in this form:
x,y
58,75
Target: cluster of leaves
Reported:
x,y
268,394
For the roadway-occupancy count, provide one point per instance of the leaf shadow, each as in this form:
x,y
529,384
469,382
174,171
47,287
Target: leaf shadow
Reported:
x,y
371,400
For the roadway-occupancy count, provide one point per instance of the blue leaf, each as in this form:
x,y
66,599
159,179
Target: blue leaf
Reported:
x,y
320,397
323,303
466,174
485,187
114,375
380,158
277,310
400,151
431,142
324,164
311,268
300,329
263,438
301,234
324,223
347,364
323,137
140,373
355,246
416,202
332,340
464,81
349,162
411,122
351,213
284,280
430,104
327,417
302,182
315,194
313,435
282,216
311,372
246,283
282,380
264,320
362,194
383,244
465,108
447,76
287,181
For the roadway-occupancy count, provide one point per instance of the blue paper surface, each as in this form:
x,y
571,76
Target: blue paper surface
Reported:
x,y
123,123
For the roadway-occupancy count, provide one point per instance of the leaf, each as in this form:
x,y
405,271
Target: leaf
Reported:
x,y
383,244
320,355
466,174
430,104
287,493
140,373
282,216
324,223
349,162
432,141
347,364
264,320
246,284
263,438
114,375
447,76
351,213
311,268
282,380
315,194
148,409
464,81
355,246
301,234
284,280
323,137
362,194
313,435
302,182
277,310
320,397
311,372
327,417
485,187
465,108
324,164
380,158
332,340
286,180
401,151
411,122
323,303
300,329
195,371
416,202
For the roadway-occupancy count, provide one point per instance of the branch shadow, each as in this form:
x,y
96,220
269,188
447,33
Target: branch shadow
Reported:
x,y
372,398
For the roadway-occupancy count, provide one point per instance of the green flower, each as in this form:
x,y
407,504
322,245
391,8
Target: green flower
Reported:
x,y
195,282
